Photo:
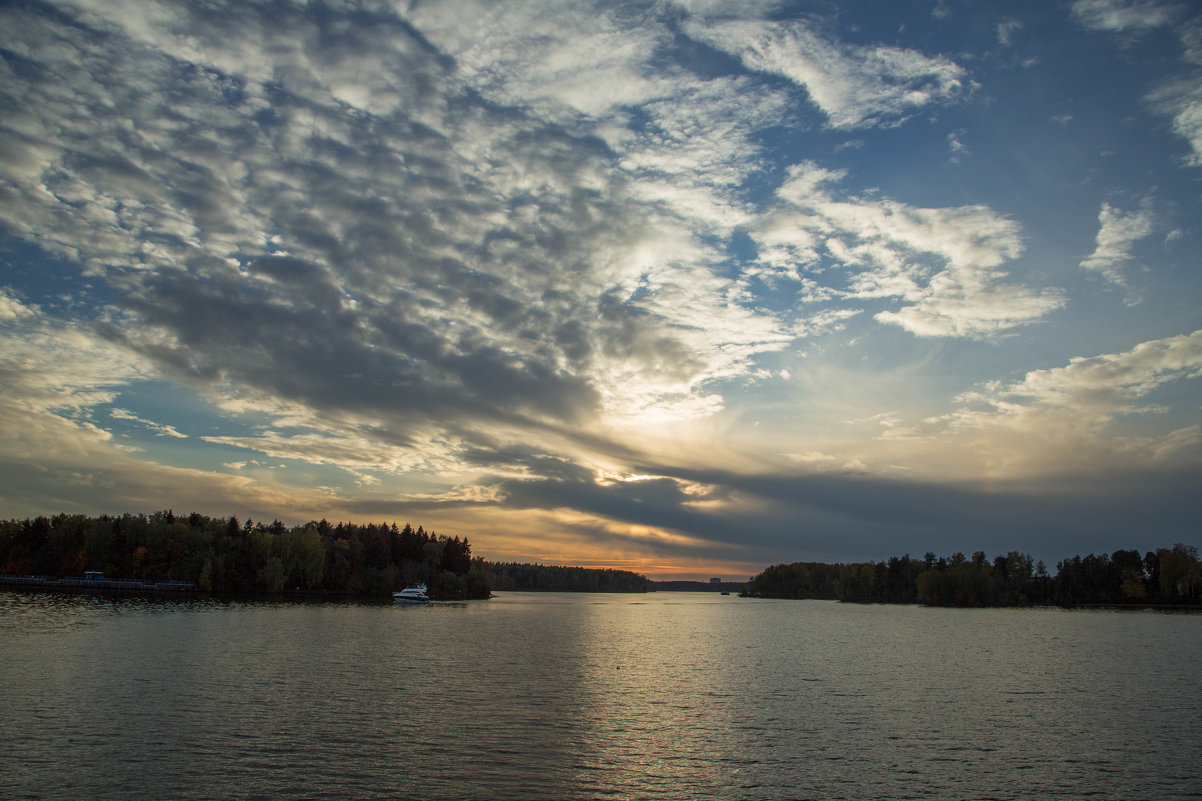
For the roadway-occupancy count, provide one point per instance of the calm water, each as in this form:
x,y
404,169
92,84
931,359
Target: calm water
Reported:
x,y
557,696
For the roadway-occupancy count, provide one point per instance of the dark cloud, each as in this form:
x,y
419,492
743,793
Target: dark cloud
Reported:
x,y
339,257
506,264
846,516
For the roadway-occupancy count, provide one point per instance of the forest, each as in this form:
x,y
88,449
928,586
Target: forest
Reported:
x,y
1165,576
553,578
222,555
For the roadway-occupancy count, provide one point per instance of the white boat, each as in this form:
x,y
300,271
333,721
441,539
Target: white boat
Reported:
x,y
412,595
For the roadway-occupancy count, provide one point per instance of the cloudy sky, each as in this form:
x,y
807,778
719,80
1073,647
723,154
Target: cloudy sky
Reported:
x,y
683,287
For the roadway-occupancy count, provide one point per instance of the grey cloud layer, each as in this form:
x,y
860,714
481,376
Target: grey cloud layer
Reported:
x,y
784,515
323,206
484,241
424,251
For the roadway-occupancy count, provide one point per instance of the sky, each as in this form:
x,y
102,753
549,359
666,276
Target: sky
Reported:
x,y
688,288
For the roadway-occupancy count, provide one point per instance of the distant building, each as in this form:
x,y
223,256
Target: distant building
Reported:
x,y
715,581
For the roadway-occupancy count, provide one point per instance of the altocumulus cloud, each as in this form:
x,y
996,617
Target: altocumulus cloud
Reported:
x,y
537,271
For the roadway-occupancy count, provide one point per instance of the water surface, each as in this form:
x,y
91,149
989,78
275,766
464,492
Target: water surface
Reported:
x,y
569,696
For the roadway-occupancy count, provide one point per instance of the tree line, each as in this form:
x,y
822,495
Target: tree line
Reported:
x,y
223,555
1171,576
556,578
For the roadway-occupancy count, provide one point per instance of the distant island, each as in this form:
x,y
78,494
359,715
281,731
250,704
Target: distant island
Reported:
x,y
168,552
562,578
713,585
1165,576
165,551
225,556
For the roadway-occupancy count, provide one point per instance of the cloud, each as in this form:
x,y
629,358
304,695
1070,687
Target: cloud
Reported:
x,y
160,429
11,307
381,258
942,264
1125,15
356,448
512,267
1101,387
957,146
551,56
1116,239
1071,419
369,236
57,371
1182,100
1006,30
55,454
855,86
710,512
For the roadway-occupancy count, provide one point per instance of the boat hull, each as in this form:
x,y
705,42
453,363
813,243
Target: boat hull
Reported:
x,y
412,595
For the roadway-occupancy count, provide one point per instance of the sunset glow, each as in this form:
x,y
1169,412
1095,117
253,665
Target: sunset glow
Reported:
x,y
686,288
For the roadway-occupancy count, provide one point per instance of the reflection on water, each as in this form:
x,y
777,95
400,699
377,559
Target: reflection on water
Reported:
x,y
589,696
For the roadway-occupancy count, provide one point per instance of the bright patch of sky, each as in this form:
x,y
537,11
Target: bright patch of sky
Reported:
x,y
829,282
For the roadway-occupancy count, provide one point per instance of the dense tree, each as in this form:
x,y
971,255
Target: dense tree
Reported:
x,y
518,576
456,556
798,580
1180,574
1167,575
223,555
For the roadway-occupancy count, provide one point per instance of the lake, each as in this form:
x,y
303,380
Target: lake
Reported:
x,y
580,696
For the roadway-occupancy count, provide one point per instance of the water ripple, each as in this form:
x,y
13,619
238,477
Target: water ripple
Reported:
x,y
582,697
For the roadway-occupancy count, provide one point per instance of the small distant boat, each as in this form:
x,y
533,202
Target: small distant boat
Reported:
x,y
412,595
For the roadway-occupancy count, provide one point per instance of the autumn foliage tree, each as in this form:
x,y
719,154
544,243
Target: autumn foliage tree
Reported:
x,y
1164,576
224,555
